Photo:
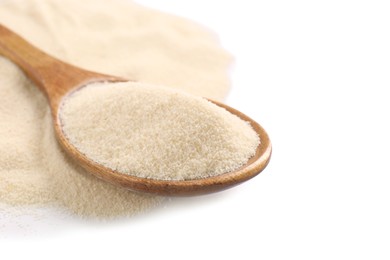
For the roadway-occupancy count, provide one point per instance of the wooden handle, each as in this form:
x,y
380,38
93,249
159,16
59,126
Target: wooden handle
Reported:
x,y
54,77
38,65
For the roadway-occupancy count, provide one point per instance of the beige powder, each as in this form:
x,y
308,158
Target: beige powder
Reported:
x,y
155,132
118,38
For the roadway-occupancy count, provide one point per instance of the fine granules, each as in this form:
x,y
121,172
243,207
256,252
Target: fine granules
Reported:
x,y
155,132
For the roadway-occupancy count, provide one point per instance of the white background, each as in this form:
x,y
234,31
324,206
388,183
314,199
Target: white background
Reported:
x,y
316,75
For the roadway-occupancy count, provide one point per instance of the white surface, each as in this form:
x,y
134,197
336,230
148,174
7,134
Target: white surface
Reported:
x,y
315,74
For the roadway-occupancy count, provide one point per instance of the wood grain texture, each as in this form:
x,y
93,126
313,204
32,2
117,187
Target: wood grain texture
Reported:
x,y
58,79
54,77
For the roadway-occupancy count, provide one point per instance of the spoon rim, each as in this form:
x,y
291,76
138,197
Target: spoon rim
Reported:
x,y
190,187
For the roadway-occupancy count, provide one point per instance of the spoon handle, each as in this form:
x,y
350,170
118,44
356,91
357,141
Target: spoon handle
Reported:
x,y
54,77
38,66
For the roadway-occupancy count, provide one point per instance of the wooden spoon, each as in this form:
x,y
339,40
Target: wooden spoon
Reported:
x,y
57,79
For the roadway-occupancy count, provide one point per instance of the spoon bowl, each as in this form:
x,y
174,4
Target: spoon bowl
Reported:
x,y
58,79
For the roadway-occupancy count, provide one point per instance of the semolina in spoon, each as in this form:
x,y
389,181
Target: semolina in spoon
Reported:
x,y
143,137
